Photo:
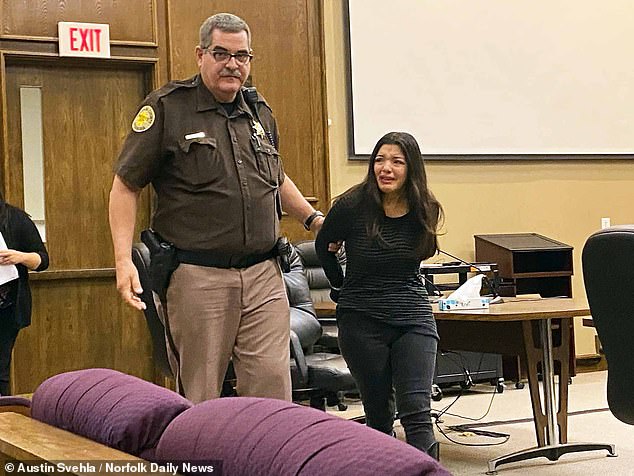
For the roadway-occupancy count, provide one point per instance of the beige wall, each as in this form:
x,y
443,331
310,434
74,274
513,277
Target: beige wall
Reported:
x,y
564,200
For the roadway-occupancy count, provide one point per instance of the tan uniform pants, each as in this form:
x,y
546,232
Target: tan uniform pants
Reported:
x,y
215,314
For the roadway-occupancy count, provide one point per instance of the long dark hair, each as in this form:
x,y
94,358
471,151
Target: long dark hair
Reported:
x,y
420,200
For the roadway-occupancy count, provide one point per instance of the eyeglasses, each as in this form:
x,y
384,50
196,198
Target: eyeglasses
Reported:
x,y
222,56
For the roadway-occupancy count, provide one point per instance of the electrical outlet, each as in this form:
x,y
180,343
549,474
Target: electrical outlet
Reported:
x,y
605,222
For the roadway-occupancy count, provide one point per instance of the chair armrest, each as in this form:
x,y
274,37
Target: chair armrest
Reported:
x,y
300,359
327,321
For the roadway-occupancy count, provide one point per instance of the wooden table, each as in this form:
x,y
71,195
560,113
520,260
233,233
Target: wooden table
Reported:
x,y
540,331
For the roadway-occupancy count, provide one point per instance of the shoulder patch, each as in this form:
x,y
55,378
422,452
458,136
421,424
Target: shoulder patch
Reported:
x,y
144,119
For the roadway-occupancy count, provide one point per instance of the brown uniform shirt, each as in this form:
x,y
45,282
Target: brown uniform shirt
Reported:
x,y
216,176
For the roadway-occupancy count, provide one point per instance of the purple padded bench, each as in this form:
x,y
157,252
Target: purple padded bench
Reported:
x,y
275,438
241,435
118,410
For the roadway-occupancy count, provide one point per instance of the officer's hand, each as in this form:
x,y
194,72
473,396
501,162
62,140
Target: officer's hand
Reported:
x,y
128,284
315,226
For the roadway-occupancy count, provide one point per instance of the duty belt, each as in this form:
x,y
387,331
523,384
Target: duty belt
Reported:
x,y
213,259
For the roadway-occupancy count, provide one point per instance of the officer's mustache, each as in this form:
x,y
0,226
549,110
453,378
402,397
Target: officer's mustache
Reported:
x,y
229,73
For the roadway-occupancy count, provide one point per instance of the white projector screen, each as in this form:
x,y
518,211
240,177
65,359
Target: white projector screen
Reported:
x,y
549,78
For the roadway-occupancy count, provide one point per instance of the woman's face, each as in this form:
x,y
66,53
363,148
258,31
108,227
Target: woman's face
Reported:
x,y
390,169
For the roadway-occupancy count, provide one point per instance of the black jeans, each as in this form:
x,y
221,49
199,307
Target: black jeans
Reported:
x,y
392,365
8,335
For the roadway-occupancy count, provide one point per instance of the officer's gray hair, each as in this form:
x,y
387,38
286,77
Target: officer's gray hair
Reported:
x,y
225,22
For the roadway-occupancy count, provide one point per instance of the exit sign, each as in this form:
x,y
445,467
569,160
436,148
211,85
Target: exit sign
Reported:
x,y
90,40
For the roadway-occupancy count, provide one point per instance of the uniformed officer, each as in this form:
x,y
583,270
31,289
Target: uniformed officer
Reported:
x,y
212,159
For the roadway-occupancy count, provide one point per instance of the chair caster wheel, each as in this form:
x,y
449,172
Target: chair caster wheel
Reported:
x,y
436,393
519,385
342,407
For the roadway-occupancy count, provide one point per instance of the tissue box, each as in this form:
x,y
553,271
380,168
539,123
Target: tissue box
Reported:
x,y
471,303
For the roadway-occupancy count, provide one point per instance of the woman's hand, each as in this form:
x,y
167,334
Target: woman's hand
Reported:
x,y
30,260
335,247
11,257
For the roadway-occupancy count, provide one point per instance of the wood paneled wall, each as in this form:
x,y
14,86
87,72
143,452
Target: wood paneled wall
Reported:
x,y
131,21
79,320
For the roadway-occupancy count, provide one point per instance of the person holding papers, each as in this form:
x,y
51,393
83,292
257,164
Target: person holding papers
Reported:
x,y
21,250
387,333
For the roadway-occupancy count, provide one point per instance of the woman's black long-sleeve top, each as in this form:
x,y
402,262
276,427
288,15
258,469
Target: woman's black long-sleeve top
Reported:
x,y
22,235
381,280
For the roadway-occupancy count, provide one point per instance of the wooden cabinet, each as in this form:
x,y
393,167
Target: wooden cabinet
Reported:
x,y
528,263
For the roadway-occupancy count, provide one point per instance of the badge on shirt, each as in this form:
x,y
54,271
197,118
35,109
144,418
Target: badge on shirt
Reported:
x,y
258,130
144,119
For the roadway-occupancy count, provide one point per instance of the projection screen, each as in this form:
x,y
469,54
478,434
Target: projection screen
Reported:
x,y
550,78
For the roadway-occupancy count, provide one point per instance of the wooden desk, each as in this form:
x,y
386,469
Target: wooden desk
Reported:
x,y
539,330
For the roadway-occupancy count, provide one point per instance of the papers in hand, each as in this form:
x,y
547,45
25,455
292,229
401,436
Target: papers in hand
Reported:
x,y
8,272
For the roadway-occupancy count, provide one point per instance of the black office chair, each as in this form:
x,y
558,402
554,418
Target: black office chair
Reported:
x,y
608,273
153,310
320,290
322,377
